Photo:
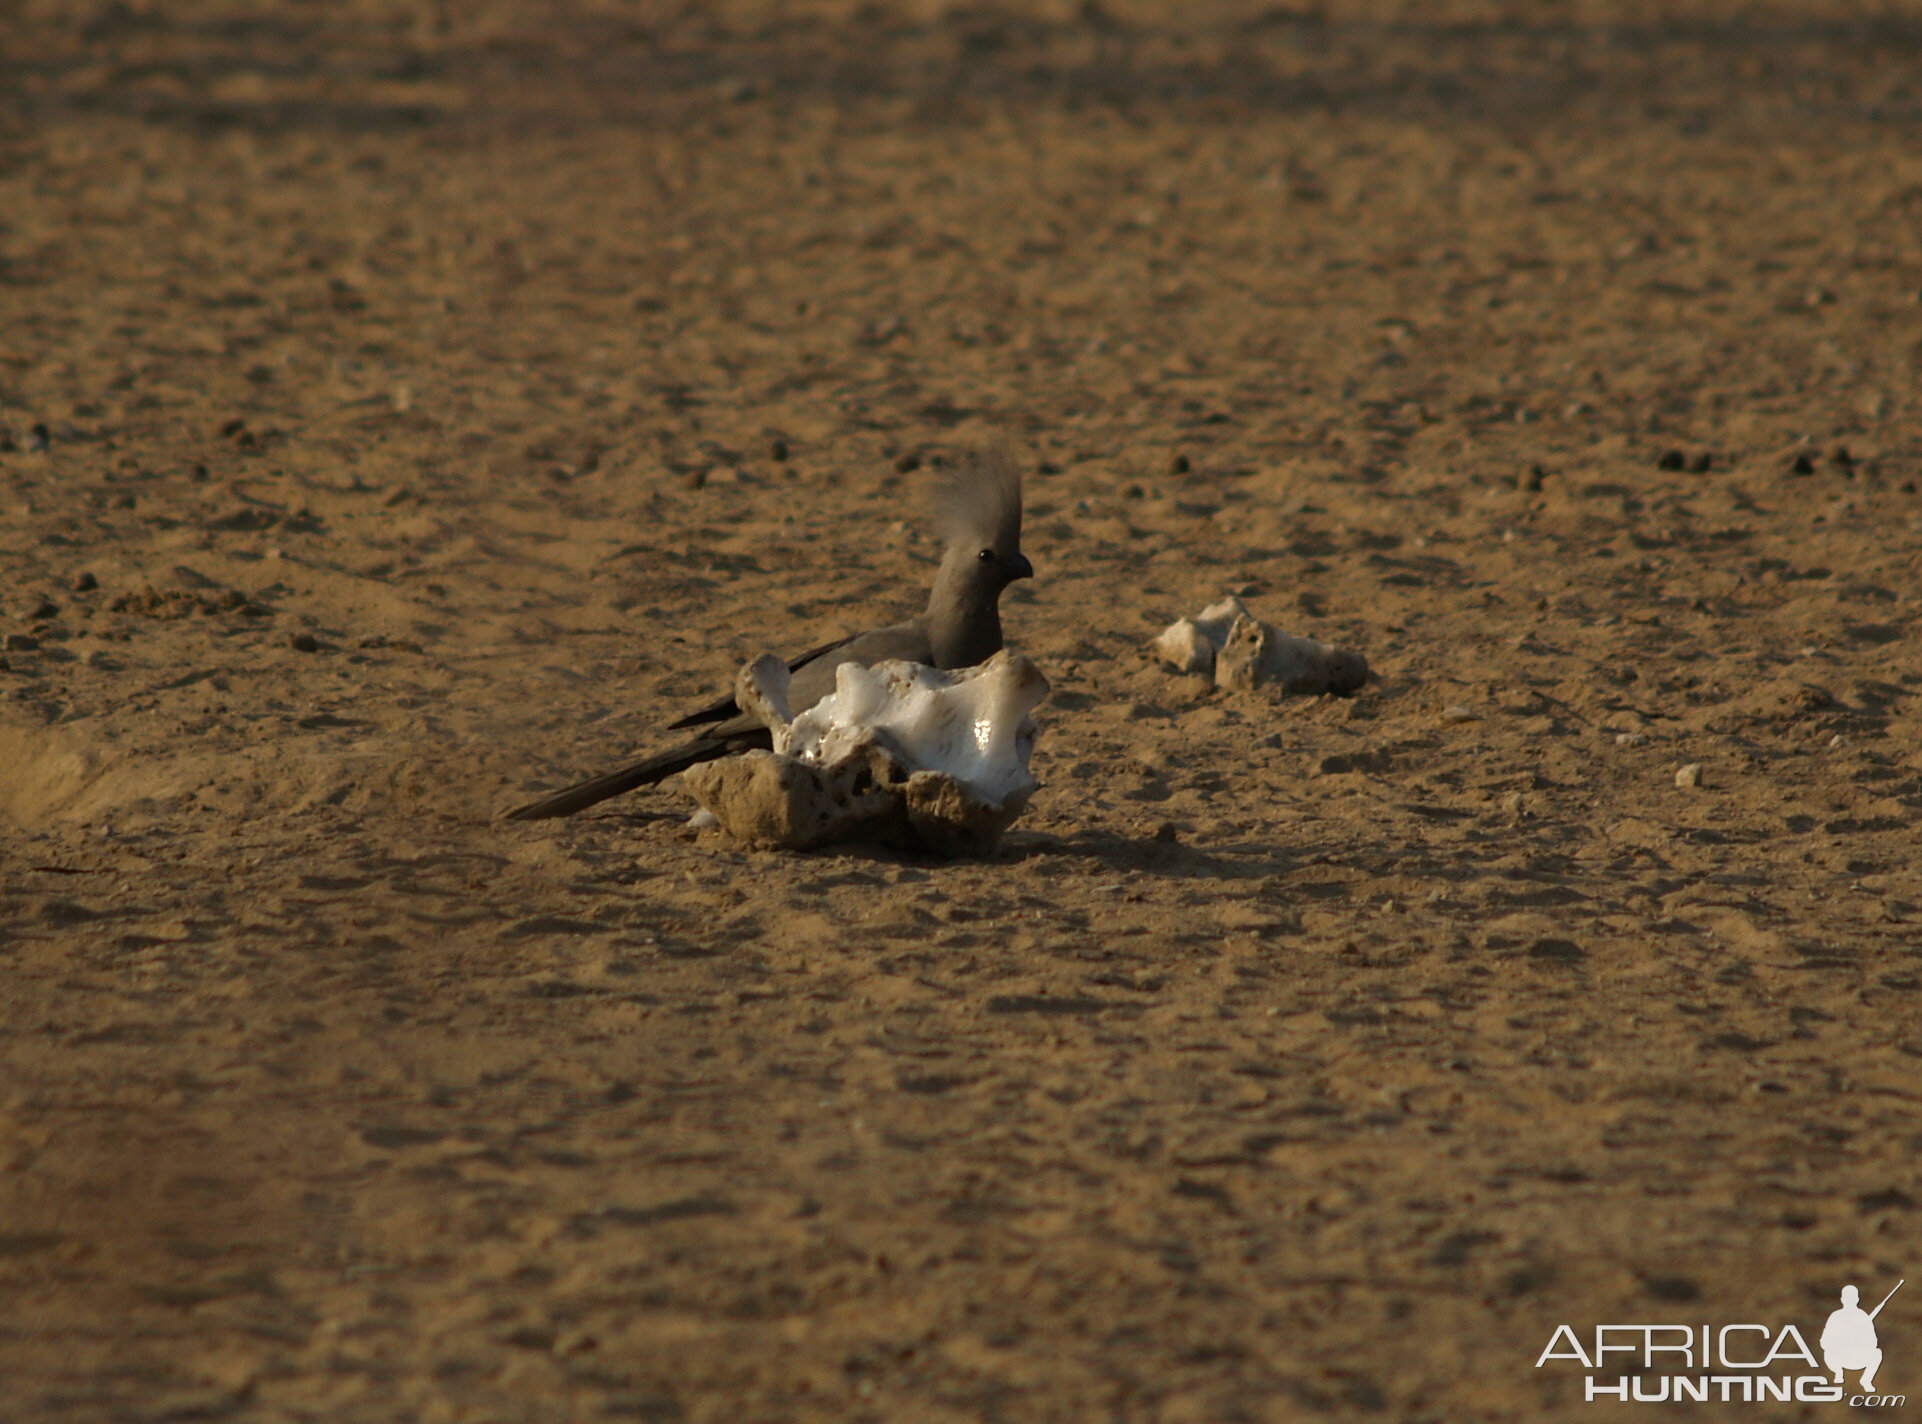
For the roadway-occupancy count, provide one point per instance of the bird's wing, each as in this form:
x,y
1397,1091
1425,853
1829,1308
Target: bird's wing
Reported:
x,y
730,730
725,707
907,642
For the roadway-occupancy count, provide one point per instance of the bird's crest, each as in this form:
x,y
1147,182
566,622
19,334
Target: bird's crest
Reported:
x,y
977,504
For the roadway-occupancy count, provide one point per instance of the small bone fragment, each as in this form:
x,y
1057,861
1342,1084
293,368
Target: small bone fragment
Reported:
x,y
1241,651
1190,644
761,689
1185,648
1256,653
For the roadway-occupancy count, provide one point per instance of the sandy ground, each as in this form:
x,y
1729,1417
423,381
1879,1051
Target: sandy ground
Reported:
x,y
391,408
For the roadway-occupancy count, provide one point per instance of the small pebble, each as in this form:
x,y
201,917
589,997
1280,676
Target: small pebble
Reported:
x,y
1630,739
907,464
1455,712
1167,833
1672,460
1841,456
39,437
82,582
1690,775
42,611
1802,465
777,451
304,643
694,479
1178,465
1701,464
1536,474
22,642
1837,740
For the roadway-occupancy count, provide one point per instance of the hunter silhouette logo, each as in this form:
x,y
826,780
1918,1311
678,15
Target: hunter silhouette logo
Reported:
x,y
1848,1340
1731,1364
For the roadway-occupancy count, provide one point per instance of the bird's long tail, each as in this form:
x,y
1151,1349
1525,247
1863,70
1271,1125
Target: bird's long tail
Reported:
x,y
645,772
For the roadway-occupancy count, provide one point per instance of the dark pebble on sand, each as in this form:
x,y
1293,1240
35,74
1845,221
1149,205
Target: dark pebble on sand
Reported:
x,y
907,464
83,582
1178,465
42,610
22,642
1701,464
304,643
777,451
39,437
1802,465
1536,474
1672,460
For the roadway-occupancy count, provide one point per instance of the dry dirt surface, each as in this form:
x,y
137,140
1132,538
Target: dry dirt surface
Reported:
x,y
407,407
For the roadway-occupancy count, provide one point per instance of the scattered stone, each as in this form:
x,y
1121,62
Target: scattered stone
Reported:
x,y
1630,739
1227,642
1178,465
22,643
899,755
694,479
1837,740
84,583
1167,833
150,602
1802,465
304,643
1701,464
42,610
777,451
38,436
1455,713
1536,474
1671,460
1690,775
907,464
1841,456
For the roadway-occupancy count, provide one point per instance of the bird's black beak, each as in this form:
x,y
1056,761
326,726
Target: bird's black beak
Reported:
x,y
1019,568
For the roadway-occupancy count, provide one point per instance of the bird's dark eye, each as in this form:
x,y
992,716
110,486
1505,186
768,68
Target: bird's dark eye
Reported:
x,y
986,556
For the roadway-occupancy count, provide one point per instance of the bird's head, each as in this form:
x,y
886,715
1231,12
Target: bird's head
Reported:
x,y
978,513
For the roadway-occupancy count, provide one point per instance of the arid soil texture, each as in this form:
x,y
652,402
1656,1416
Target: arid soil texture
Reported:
x,y
408,408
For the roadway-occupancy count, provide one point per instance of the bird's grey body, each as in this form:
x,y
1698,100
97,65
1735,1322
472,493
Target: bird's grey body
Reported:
x,y
980,521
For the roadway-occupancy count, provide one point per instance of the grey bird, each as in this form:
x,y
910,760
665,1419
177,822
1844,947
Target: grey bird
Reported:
x,y
978,512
